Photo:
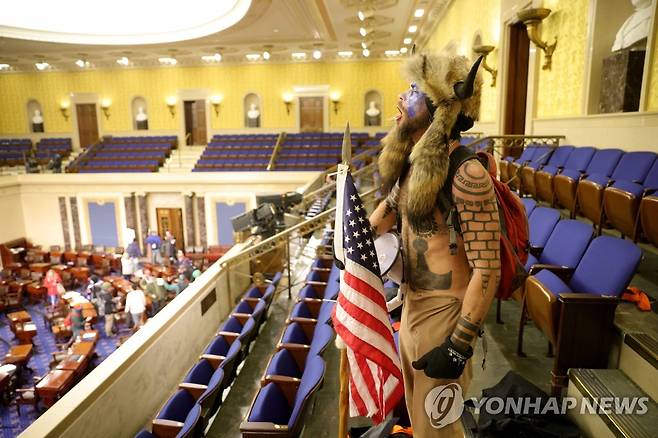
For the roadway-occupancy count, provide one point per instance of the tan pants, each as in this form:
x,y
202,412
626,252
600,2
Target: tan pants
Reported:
x,y
428,318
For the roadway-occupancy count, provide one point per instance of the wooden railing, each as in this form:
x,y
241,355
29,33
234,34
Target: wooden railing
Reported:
x,y
277,147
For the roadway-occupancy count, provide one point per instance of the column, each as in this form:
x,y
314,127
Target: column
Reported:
x,y
75,219
189,219
63,214
201,216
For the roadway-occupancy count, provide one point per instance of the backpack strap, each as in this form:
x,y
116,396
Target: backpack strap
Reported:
x,y
459,156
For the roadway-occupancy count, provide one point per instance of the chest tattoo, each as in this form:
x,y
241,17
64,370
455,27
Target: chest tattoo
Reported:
x,y
421,276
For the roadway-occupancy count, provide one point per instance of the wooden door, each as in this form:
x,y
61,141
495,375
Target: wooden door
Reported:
x,y
87,124
311,114
171,219
517,83
195,122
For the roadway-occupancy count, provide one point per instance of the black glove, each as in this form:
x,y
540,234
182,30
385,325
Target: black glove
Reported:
x,y
444,362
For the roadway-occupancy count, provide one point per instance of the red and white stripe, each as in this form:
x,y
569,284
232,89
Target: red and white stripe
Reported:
x,y
361,320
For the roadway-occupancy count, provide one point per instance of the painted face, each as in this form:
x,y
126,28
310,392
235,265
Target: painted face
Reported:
x,y
413,113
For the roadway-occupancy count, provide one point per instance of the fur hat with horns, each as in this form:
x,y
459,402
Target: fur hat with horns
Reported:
x,y
454,91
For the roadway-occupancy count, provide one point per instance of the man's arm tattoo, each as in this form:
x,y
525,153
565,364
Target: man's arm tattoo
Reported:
x,y
476,204
465,332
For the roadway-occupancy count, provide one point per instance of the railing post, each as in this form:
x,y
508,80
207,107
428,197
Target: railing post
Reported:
x,y
288,268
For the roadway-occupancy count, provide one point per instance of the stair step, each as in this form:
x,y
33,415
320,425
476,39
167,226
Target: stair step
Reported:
x,y
596,384
638,359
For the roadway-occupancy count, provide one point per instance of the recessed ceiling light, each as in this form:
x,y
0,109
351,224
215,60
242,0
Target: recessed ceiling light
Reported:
x,y
298,55
166,60
317,54
364,45
345,54
407,40
123,61
5,66
363,31
419,12
217,57
391,52
41,65
275,30
366,52
403,50
266,55
413,28
82,63
252,56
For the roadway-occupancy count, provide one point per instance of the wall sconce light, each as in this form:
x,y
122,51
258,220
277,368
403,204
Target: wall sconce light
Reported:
x,y
216,102
335,100
484,51
287,100
532,18
64,108
171,104
105,106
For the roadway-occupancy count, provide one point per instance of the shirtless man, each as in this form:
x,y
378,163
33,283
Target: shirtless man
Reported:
x,y
447,293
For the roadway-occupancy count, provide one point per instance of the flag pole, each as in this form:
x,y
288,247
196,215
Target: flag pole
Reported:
x,y
343,399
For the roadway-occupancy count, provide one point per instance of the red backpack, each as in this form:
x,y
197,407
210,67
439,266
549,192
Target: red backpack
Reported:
x,y
513,222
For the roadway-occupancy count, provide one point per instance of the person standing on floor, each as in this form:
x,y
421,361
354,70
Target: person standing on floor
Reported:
x,y
154,243
106,307
53,284
135,306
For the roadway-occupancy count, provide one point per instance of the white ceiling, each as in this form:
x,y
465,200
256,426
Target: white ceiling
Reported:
x,y
279,26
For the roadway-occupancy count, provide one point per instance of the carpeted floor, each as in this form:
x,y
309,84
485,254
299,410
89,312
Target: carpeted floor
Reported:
x,y
12,423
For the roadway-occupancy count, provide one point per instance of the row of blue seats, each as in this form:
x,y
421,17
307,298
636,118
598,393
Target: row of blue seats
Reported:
x,y
228,169
199,395
126,154
604,185
236,152
162,146
154,138
574,275
242,145
220,137
15,141
307,160
318,206
306,168
113,170
263,161
122,163
310,151
296,371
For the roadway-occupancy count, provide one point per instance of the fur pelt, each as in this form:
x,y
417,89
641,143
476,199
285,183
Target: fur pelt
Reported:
x,y
436,76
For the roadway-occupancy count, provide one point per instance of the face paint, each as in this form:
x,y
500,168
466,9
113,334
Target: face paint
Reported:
x,y
415,100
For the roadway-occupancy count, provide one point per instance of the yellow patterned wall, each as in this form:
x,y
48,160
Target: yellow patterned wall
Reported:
x,y
460,26
560,90
652,105
269,81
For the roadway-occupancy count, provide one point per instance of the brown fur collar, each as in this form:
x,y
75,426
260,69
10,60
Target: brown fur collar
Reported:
x,y
429,157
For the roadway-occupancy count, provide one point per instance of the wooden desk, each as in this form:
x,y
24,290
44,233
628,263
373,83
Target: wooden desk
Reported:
x,y
82,348
70,256
20,316
80,273
75,362
54,385
25,331
90,336
19,355
36,292
59,269
19,285
39,267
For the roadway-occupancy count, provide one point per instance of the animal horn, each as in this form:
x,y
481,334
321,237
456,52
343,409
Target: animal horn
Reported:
x,y
464,89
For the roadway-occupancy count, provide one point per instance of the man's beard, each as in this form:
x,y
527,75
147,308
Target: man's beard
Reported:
x,y
405,130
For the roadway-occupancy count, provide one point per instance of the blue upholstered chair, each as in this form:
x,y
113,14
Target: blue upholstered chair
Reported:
x,y
575,165
621,202
556,159
572,310
205,382
632,168
565,184
226,351
279,406
180,417
540,226
529,204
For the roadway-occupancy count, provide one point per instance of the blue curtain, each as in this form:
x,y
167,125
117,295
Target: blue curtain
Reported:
x,y
224,214
103,224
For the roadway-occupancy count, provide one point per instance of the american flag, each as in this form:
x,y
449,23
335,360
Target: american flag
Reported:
x,y
360,317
